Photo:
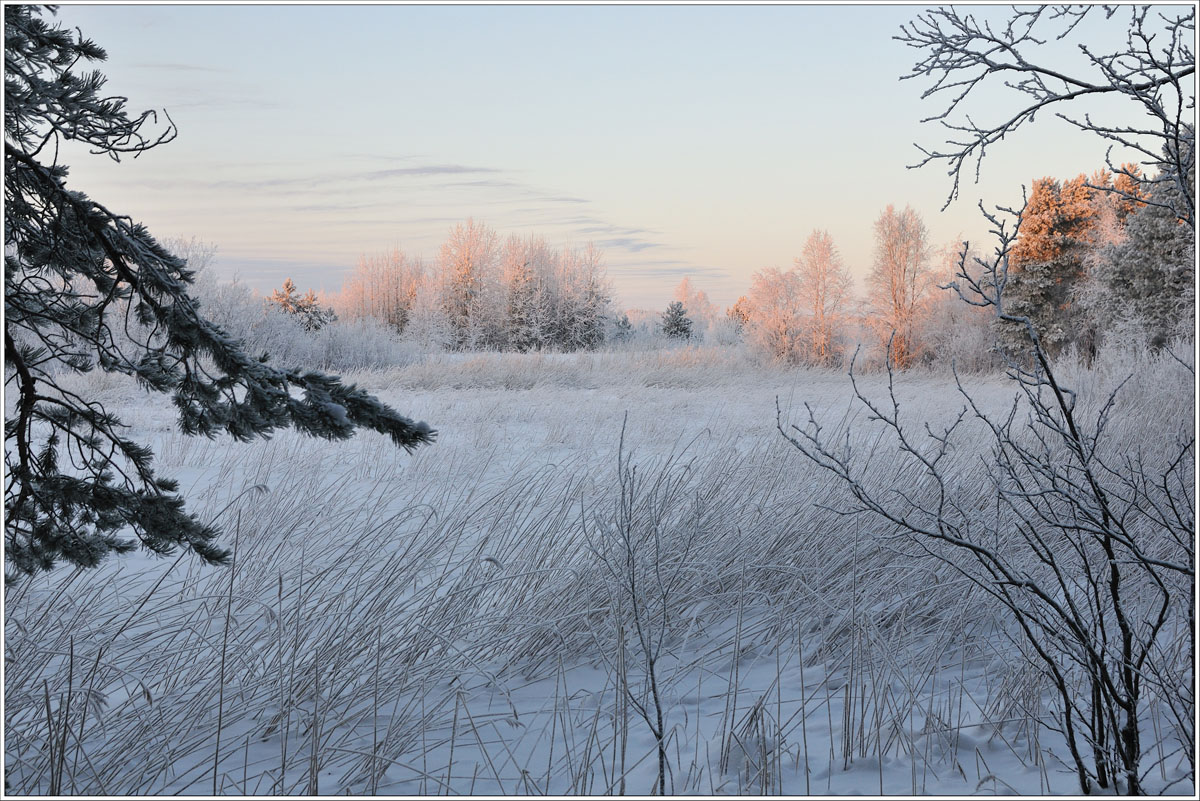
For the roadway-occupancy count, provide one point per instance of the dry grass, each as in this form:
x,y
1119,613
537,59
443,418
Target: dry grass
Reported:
x,y
443,622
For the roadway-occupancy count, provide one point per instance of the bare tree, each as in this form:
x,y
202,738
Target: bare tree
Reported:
x,y
382,286
955,333
824,285
1153,71
1090,549
900,282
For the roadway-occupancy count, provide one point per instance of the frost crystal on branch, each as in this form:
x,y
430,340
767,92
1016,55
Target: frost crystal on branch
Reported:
x,y
78,275
1154,70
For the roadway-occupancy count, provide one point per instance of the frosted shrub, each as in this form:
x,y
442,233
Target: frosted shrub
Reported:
x,y
367,343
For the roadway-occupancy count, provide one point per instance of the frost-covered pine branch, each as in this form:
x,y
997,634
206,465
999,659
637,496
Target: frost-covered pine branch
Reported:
x,y
86,287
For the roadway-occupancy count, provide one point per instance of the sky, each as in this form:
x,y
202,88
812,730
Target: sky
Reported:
x,y
685,141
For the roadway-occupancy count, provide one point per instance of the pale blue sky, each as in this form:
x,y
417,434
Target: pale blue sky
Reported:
x,y
683,140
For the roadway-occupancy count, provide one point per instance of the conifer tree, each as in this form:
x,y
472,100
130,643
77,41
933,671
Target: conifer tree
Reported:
x,y
76,486
306,308
1148,280
521,288
675,322
622,328
739,314
1046,263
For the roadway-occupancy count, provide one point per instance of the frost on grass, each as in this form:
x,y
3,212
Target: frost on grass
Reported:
x,y
441,622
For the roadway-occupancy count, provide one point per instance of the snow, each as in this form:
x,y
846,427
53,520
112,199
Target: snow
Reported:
x,y
440,621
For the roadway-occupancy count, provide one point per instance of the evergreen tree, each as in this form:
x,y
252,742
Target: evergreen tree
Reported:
x,y
306,308
74,273
522,295
1047,262
1148,280
675,322
587,331
739,314
622,328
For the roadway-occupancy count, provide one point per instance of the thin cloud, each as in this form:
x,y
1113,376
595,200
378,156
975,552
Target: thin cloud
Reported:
x,y
668,268
429,169
628,243
487,183
319,181
614,230
564,199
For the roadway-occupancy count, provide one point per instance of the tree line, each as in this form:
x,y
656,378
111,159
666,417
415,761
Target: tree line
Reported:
x,y
483,293
1099,257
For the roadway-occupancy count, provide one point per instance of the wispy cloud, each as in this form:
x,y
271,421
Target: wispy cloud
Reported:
x,y
485,183
347,177
668,268
598,227
629,243
564,199
428,169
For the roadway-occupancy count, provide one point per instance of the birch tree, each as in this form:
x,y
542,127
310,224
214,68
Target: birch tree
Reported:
x,y
823,286
900,282
468,267
775,315
382,286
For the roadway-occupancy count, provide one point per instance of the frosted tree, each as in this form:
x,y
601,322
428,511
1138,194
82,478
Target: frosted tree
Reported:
x,y
308,311
824,287
428,325
696,301
76,487
622,328
468,268
1028,56
739,314
1088,550
900,282
956,334
775,319
1065,230
675,322
1146,282
524,292
384,287
587,296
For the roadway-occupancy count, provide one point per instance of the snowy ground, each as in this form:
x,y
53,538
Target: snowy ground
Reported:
x,y
460,620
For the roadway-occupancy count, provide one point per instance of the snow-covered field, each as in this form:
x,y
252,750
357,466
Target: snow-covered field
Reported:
x,y
467,619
